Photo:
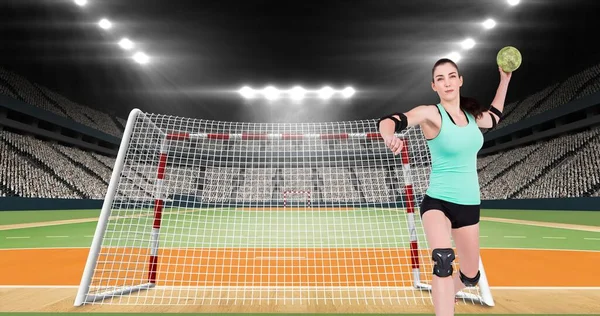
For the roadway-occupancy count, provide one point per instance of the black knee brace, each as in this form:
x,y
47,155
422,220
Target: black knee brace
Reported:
x,y
442,261
469,281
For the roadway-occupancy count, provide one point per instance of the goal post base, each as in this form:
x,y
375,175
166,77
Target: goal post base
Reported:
x,y
111,294
485,295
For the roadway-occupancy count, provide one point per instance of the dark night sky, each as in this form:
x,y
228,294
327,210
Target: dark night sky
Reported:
x,y
385,49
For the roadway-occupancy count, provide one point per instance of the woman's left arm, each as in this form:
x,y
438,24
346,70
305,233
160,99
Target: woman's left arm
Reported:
x,y
491,117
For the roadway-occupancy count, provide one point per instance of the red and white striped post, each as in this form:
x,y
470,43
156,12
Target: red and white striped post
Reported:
x,y
410,209
159,203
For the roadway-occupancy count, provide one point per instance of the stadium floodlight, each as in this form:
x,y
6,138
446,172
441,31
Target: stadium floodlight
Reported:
x,y
326,92
80,3
454,56
247,92
513,2
489,24
297,93
468,43
348,92
105,24
271,93
126,44
141,58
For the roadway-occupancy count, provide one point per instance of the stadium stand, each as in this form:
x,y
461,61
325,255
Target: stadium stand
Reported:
x,y
574,177
566,166
60,166
567,90
592,87
21,89
537,169
86,161
563,166
18,87
21,176
107,161
521,109
575,87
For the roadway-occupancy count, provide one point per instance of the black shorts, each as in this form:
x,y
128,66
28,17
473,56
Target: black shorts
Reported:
x,y
458,214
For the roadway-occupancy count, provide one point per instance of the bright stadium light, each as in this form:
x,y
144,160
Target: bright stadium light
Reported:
x,y
454,56
141,58
489,24
468,43
247,92
271,93
126,44
326,92
80,3
105,24
297,93
513,2
348,92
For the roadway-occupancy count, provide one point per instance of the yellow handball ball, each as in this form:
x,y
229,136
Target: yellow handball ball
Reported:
x,y
509,59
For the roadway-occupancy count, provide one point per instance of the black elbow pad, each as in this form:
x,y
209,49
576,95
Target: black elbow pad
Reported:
x,y
400,125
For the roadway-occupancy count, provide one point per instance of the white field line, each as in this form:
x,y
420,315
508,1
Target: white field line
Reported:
x,y
542,224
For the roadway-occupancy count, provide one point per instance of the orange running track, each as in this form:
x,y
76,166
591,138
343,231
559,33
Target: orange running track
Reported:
x,y
268,267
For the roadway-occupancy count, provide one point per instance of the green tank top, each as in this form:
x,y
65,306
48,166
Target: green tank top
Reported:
x,y
454,161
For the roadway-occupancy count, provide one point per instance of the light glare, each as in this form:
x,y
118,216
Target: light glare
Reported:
x,y
297,93
489,24
81,3
247,92
105,24
468,43
141,58
126,44
271,93
348,92
454,56
326,92
513,2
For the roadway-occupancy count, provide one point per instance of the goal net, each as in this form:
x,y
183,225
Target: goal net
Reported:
x,y
208,212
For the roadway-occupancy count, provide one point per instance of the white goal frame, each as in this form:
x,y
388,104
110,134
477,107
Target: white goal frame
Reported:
x,y
305,193
83,295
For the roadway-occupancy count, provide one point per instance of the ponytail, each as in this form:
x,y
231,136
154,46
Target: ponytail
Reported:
x,y
471,106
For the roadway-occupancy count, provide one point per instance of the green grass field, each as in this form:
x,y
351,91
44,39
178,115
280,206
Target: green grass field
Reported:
x,y
234,228
20,217
567,217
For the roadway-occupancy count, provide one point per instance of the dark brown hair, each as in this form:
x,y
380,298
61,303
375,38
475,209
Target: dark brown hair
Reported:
x,y
467,104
